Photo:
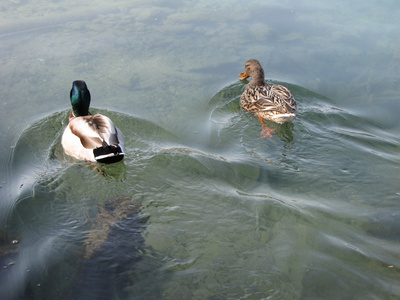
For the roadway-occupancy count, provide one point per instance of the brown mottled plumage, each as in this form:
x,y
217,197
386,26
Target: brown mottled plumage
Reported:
x,y
269,102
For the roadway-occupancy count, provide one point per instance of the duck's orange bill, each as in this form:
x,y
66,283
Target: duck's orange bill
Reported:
x,y
243,76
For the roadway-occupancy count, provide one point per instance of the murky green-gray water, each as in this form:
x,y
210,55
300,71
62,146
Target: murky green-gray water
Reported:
x,y
201,207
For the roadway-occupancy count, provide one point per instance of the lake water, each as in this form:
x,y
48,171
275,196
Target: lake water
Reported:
x,y
202,207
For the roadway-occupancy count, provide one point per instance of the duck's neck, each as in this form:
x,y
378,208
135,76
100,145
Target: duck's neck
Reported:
x,y
257,81
79,112
258,77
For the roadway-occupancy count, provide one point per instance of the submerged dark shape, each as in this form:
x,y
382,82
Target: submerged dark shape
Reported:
x,y
113,246
90,137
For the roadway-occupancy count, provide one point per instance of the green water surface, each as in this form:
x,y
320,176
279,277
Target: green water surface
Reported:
x,y
201,207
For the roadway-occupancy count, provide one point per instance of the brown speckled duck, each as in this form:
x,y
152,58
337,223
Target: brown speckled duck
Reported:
x,y
269,102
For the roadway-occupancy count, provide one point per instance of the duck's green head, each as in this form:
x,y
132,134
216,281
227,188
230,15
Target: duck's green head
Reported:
x,y
80,98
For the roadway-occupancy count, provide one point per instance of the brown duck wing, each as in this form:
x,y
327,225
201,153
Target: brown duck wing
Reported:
x,y
106,129
86,129
257,99
284,98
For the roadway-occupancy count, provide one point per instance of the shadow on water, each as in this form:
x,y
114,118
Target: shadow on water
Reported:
x,y
112,248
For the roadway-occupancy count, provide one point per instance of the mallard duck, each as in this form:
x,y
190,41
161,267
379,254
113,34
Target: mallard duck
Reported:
x,y
269,102
90,137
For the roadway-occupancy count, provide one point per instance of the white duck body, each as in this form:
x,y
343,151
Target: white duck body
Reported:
x,y
84,134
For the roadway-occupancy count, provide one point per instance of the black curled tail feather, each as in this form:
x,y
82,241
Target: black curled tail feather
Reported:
x,y
108,154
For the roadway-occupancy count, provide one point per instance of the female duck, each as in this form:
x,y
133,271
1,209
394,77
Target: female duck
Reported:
x,y
90,137
270,102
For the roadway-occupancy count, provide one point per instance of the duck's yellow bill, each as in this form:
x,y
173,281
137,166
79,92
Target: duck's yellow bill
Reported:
x,y
243,76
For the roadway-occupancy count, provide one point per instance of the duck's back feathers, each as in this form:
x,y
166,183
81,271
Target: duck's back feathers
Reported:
x,y
93,138
274,103
284,97
86,130
257,99
73,146
93,130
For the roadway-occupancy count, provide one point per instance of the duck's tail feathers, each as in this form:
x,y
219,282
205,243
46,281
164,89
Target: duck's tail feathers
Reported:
x,y
109,154
283,118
